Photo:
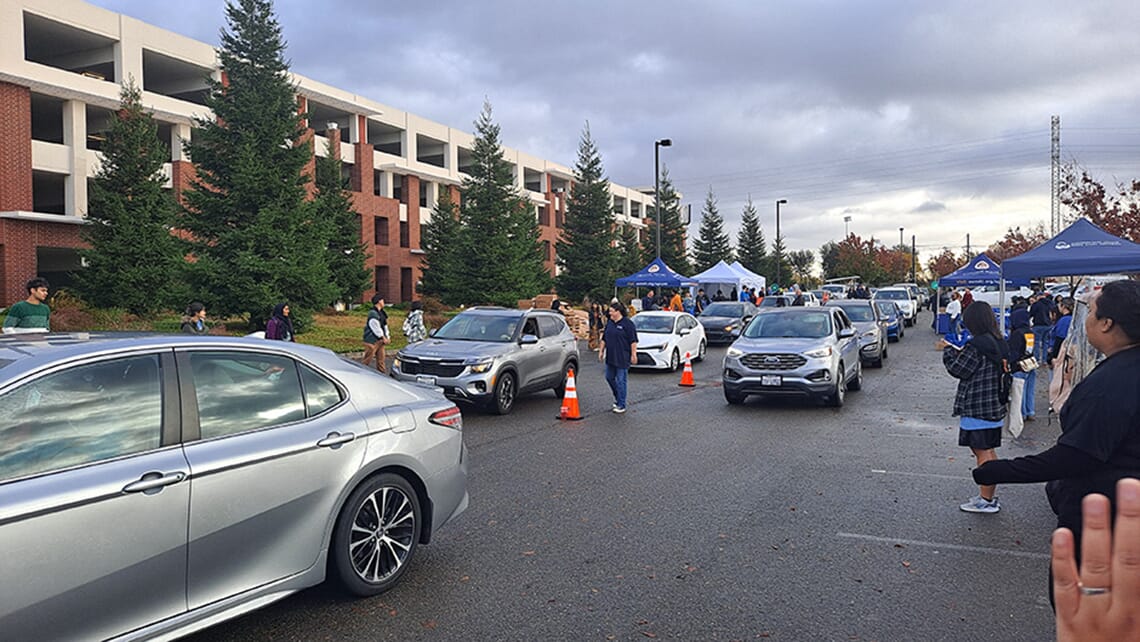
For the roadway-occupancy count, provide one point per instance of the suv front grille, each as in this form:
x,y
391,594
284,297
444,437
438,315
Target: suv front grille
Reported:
x,y
772,361
437,368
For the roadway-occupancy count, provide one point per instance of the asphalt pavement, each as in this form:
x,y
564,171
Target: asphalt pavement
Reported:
x,y
690,519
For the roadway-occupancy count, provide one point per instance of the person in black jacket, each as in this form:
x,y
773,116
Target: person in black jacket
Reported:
x,y
978,366
1100,423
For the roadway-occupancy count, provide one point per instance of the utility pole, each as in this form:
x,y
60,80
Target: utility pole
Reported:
x,y
913,260
968,254
1055,175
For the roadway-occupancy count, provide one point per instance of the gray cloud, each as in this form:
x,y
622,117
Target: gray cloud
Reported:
x,y
881,110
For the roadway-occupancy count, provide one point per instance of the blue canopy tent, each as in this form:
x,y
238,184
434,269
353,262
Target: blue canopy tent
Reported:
x,y
1080,249
981,270
654,275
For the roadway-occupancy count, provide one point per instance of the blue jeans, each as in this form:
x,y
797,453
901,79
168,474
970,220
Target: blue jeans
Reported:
x,y
616,377
1029,401
1041,334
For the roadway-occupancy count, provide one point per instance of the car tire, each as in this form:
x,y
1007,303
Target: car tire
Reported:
x,y
503,398
675,361
885,349
701,349
376,534
856,383
734,398
838,395
560,389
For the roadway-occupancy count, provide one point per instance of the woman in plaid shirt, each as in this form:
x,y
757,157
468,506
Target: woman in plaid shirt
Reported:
x,y
978,367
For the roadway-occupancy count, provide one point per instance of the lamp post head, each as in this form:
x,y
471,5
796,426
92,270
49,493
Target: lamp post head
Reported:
x,y
664,142
782,201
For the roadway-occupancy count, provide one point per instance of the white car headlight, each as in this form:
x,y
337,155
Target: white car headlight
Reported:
x,y
734,352
816,354
870,333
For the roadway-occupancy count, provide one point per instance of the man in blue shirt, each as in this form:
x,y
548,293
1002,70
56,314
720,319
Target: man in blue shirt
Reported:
x,y
618,350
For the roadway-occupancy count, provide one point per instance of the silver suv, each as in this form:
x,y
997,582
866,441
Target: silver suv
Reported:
x,y
488,356
794,351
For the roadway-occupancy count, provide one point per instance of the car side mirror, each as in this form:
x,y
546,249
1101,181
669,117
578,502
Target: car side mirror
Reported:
x,y
431,333
846,333
528,339
684,331
747,318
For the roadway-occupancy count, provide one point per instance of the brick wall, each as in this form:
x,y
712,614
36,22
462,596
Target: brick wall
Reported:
x,y
15,148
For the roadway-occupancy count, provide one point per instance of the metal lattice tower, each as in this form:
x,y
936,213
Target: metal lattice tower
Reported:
x,y
1055,175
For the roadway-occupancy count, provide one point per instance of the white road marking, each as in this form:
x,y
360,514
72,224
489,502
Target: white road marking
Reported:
x,y
943,545
936,476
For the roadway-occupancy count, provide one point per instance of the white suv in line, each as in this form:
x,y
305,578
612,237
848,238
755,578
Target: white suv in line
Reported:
x,y
904,298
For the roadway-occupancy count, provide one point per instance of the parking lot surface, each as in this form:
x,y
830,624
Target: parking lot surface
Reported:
x,y
690,519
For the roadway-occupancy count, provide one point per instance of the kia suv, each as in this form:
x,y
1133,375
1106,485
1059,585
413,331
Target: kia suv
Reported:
x,y
487,356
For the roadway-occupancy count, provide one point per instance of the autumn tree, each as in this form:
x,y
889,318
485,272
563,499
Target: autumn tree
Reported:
x,y
945,263
1015,242
1116,211
856,257
894,262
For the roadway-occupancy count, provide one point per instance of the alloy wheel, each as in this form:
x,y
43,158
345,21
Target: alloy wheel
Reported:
x,y
383,534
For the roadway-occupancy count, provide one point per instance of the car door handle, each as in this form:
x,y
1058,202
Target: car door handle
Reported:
x,y
335,439
153,481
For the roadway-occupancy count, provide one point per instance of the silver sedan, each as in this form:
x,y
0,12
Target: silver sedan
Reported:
x,y
153,485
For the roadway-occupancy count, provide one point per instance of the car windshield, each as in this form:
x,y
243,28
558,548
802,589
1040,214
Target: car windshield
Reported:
x,y
859,312
653,323
886,308
799,326
479,327
893,295
724,310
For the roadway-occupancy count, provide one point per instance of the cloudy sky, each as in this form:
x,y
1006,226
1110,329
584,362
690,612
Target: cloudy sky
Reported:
x,y
933,117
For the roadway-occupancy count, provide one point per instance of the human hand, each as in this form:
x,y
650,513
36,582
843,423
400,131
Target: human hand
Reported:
x,y
1100,602
941,343
601,354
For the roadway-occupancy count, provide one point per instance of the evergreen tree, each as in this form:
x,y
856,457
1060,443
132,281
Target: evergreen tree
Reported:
x,y
500,236
630,257
586,250
442,264
673,250
332,208
779,253
751,248
134,261
254,243
712,243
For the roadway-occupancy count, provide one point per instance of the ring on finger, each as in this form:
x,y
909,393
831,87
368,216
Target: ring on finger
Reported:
x,y
1093,590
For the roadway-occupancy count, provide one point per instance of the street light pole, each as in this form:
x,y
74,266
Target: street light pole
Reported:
x,y
913,260
779,247
900,237
657,145
846,231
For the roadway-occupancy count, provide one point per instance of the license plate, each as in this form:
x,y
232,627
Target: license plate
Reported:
x,y
771,380
426,380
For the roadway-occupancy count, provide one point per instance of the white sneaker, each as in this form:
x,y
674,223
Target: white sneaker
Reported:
x,y
619,410
979,505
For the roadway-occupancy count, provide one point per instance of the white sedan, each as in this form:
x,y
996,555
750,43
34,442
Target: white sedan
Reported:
x,y
663,339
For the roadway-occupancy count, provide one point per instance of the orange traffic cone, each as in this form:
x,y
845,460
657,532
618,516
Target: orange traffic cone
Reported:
x,y
687,374
569,408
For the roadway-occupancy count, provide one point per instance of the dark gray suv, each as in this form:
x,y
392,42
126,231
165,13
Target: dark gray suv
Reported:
x,y
488,356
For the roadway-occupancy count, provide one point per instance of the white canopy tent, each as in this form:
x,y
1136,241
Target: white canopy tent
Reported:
x,y
726,278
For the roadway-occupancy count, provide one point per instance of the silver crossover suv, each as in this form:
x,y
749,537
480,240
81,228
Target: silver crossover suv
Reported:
x,y
153,485
488,356
794,351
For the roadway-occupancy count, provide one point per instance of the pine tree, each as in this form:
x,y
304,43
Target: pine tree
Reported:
x,y
503,257
254,243
585,250
751,248
673,250
442,264
629,258
332,208
712,244
134,261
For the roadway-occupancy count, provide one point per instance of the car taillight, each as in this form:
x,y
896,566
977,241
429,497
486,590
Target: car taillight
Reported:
x,y
448,418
